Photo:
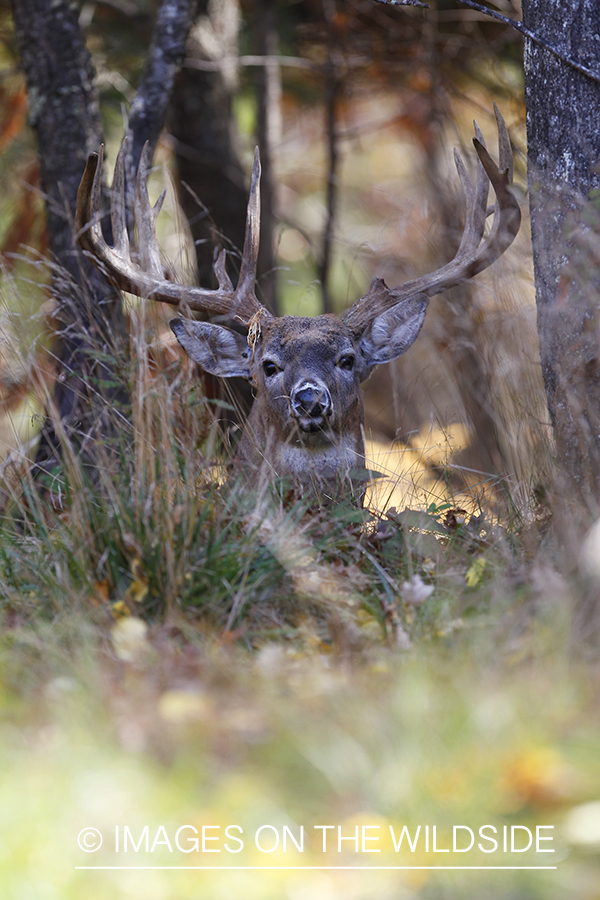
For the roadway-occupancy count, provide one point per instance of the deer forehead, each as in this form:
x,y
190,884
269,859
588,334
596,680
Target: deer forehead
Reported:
x,y
296,338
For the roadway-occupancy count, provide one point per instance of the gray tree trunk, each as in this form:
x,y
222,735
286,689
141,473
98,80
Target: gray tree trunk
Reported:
x,y
165,55
212,188
212,184
64,114
268,128
563,133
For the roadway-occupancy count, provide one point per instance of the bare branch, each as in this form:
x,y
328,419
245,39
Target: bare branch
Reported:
x,y
149,109
405,3
522,29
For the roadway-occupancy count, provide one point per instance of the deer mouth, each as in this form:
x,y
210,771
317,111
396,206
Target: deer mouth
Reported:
x,y
311,407
311,424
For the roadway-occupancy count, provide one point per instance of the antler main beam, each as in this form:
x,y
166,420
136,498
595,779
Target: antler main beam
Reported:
x,y
141,271
472,256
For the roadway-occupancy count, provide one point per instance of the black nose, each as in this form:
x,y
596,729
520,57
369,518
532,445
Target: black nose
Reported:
x,y
312,402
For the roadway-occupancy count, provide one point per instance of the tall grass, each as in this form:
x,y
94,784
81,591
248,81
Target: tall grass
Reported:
x,y
159,530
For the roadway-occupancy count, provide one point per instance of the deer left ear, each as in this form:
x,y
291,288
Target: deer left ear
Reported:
x,y
391,334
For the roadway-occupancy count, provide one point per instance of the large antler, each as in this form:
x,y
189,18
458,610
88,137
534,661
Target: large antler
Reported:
x,y
141,272
472,256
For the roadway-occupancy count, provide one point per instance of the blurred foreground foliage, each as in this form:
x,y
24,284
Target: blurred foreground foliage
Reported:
x,y
164,726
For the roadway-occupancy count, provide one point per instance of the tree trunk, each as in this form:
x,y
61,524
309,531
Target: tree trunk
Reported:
x,y
91,391
212,188
149,108
63,111
563,158
268,133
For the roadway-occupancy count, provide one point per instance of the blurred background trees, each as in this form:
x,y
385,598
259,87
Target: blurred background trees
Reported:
x,y
356,107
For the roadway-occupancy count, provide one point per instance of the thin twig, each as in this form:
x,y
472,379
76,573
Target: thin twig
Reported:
x,y
268,82
333,90
518,26
293,62
405,3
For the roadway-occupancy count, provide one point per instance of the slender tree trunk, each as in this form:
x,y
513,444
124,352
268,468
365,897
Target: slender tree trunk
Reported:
x,y
332,96
212,184
212,188
149,108
63,111
268,84
563,160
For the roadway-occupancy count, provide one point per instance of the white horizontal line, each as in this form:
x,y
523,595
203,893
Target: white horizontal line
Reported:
x,y
326,868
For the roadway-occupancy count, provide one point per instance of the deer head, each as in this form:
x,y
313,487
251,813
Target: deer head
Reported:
x,y
307,418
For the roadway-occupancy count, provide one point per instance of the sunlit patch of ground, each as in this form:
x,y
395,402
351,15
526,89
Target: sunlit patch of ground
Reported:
x,y
414,474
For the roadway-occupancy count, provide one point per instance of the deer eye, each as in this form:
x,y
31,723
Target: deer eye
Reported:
x,y
270,368
346,362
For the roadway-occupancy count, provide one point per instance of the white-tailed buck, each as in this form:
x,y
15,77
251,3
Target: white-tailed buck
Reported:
x,y
307,418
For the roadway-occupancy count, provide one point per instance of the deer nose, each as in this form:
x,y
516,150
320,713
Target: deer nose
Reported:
x,y
312,401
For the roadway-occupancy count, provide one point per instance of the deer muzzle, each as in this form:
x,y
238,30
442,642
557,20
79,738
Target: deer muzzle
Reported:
x,y
311,406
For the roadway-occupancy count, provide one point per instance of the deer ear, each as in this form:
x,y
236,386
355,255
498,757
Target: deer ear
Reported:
x,y
218,350
391,334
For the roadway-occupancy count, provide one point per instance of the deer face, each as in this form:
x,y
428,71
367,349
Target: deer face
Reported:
x,y
307,374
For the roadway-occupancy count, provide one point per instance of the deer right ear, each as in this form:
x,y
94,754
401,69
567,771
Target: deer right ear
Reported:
x,y
218,350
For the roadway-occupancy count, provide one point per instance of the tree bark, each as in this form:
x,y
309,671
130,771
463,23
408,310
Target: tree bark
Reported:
x,y
212,188
165,55
268,133
563,158
64,114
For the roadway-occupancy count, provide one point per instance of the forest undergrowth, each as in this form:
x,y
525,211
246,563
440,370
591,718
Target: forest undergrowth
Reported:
x,y
157,529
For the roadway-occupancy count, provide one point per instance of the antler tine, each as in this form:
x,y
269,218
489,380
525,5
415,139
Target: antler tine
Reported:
x,y
145,219
245,295
221,272
144,274
507,214
118,215
505,157
476,203
472,256
87,222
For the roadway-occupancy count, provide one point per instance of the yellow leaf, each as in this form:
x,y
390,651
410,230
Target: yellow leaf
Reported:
x,y
138,588
119,609
136,592
475,572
